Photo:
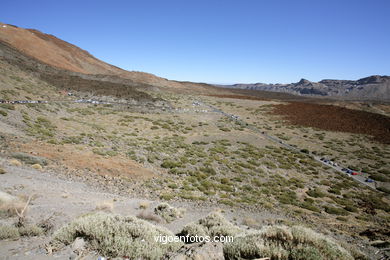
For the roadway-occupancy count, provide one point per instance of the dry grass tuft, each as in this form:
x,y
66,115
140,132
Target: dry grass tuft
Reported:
x,y
15,162
37,166
9,205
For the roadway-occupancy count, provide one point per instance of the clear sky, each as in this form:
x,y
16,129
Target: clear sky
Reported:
x,y
225,41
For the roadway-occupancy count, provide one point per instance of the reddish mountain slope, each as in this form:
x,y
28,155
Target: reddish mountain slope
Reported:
x,y
55,52
58,53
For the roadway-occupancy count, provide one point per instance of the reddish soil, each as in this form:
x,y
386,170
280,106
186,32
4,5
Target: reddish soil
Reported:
x,y
258,95
73,158
237,97
334,118
55,52
61,54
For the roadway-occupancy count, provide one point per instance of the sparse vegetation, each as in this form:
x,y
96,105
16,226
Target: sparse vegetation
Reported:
x,y
282,242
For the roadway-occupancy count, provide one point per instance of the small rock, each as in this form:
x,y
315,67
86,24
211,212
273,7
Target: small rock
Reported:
x,y
78,245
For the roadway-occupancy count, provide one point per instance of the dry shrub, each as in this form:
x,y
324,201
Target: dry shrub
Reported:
x,y
117,236
250,222
212,225
144,204
13,232
168,213
282,242
8,232
274,242
31,231
9,205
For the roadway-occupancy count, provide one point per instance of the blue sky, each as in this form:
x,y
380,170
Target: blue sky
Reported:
x,y
241,41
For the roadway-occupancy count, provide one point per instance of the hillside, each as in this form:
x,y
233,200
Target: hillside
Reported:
x,y
50,50
369,88
58,53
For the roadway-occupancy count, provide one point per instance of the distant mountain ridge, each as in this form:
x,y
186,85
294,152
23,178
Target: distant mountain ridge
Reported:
x,y
374,87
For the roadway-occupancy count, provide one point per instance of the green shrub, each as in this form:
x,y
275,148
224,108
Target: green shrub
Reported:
x,y
30,159
309,206
208,170
72,140
384,189
226,202
42,128
8,106
379,177
170,164
3,113
336,211
166,196
351,208
316,193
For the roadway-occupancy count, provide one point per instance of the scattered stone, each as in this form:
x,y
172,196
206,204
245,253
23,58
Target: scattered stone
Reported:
x,y
78,245
199,251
